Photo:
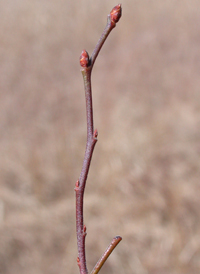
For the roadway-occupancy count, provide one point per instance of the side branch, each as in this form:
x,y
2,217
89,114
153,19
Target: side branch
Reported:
x,y
106,254
112,19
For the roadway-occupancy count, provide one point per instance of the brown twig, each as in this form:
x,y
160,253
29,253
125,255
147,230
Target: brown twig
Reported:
x,y
87,65
106,254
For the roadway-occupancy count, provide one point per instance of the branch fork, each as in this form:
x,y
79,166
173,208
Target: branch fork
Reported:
x,y
87,64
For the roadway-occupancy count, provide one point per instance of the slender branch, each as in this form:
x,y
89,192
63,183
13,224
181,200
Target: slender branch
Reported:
x,y
106,254
80,184
112,19
87,65
102,39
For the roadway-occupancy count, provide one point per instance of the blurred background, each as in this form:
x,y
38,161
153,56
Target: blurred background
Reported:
x,y
144,181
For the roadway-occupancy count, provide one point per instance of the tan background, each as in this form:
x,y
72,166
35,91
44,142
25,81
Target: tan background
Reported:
x,y
144,182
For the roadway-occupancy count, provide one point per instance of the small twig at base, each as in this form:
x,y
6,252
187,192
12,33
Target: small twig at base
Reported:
x,y
106,254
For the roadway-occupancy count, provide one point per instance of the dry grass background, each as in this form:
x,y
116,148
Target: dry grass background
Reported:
x,y
144,179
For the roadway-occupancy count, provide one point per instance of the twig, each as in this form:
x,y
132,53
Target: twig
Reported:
x,y
87,65
106,254
112,19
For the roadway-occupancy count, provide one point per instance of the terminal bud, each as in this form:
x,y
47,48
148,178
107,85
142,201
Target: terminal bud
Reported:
x,y
116,13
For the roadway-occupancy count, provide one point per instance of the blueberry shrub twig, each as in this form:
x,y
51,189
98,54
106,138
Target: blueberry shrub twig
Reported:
x,y
86,68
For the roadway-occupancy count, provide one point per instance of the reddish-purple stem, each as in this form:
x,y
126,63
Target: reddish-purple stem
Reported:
x,y
80,185
87,65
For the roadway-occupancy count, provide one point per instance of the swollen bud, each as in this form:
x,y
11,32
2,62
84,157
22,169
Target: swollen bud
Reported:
x,y
116,13
84,59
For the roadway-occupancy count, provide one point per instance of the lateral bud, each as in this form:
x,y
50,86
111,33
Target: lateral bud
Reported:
x,y
84,59
116,13
95,134
84,231
78,262
77,185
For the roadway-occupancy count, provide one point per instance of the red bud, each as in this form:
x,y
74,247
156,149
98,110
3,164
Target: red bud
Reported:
x,y
116,13
77,185
84,59
95,134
